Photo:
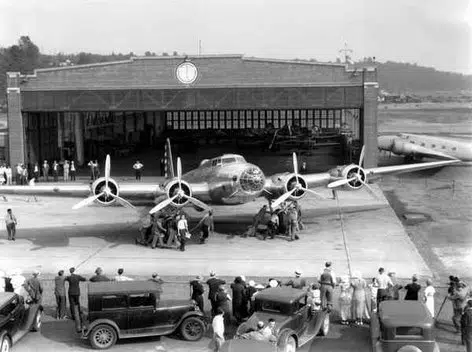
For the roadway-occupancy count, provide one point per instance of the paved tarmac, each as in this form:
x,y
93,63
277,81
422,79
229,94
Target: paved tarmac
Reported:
x,y
51,236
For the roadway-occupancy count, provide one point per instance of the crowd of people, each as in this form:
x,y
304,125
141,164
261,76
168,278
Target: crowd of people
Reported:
x,y
169,229
286,220
230,307
24,174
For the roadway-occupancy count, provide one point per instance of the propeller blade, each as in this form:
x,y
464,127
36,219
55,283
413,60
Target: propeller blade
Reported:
x,y
371,191
124,202
198,203
87,201
341,182
282,198
313,192
179,172
295,163
361,158
107,168
162,205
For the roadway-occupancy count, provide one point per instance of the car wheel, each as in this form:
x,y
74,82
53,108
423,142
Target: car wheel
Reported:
x,y
286,343
324,329
5,343
102,336
37,321
192,329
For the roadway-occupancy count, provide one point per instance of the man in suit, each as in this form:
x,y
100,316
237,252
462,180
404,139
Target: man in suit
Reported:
x,y
46,171
213,284
74,291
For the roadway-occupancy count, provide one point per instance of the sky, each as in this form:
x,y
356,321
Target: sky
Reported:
x,y
434,33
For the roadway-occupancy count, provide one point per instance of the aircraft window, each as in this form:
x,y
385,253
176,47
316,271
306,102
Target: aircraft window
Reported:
x,y
454,148
229,160
443,147
412,142
433,145
214,162
422,144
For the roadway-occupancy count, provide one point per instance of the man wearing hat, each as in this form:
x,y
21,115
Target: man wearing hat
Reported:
x,y
213,283
34,287
394,291
157,279
297,281
10,222
74,291
197,291
459,299
98,277
239,291
466,326
327,283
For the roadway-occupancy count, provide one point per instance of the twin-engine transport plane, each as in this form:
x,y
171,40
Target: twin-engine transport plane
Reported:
x,y
415,146
228,180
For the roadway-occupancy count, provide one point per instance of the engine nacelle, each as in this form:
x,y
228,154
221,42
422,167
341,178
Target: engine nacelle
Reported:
x,y
404,148
356,171
172,188
99,186
291,182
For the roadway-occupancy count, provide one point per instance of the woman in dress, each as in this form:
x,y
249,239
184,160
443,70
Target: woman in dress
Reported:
x,y
358,297
345,300
428,296
373,288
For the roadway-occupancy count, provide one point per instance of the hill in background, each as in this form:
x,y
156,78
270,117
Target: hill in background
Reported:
x,y
394,77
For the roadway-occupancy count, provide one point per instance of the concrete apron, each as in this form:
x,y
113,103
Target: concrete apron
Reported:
x,y
51,236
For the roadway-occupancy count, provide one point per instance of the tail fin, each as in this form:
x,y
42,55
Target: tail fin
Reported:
x,y
169,164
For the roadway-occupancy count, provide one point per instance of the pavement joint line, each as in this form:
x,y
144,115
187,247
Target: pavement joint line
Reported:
x,y
346,247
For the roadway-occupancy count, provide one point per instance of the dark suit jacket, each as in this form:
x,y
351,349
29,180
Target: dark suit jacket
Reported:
x,y
213,284
74,281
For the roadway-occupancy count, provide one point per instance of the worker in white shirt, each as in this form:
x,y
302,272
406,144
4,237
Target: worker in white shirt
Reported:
x,y
218,326
36,172
10,222
121,277
138,168
384,283
72,170
8,173
182,228
66,171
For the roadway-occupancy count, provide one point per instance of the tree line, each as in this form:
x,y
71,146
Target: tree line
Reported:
x,y
397,77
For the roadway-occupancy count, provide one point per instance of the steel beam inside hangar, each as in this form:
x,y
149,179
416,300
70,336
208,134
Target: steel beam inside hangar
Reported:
x,y
70,112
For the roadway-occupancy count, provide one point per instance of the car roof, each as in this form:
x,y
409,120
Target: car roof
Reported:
x,y
128,287
405,313
5,297
282,294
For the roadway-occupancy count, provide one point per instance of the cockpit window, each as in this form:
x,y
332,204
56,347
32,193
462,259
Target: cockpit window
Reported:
x,y
216,162
241,159
228,160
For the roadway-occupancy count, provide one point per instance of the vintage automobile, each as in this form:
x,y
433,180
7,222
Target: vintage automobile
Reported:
x,y
126,309
296,321
402,326
17,319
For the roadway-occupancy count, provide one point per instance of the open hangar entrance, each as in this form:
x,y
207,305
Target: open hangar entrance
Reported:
x,y
80,113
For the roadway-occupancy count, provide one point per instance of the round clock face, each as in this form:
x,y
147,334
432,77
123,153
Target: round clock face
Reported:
x,y
187,72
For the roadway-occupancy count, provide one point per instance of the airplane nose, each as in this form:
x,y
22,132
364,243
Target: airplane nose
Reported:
x,y
385,142
252,179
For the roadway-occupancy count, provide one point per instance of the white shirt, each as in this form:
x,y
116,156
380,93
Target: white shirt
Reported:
x,y
182,224
36,168
72,167
429,292
384,281
218,326
8,171
138,166
122,278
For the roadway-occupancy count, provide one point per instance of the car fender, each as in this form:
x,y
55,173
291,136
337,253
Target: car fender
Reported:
x,y
102,321
191,314
290,332
4,333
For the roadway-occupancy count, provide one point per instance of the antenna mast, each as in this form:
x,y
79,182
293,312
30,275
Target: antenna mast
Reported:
x,y
346,53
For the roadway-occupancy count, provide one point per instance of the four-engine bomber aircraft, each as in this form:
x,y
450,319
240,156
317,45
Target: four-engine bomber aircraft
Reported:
x,y
228,179
414,146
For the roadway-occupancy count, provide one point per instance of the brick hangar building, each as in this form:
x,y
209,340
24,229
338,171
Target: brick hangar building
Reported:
x,y
68,112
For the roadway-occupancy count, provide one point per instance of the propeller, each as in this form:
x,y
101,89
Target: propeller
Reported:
x,y
106,191
297,187
87,201
180,194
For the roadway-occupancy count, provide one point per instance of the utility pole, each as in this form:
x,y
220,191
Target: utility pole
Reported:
x,y
346,53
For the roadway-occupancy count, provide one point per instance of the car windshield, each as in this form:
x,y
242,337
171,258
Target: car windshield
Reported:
x,y
274,307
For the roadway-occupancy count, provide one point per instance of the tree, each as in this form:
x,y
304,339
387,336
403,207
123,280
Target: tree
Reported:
x,y
165,54
175,53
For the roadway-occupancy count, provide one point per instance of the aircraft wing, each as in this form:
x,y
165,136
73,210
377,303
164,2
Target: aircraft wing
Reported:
x,y
397,169
51,190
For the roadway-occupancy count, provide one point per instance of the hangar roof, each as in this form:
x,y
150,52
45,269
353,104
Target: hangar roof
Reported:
x,y
214,71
